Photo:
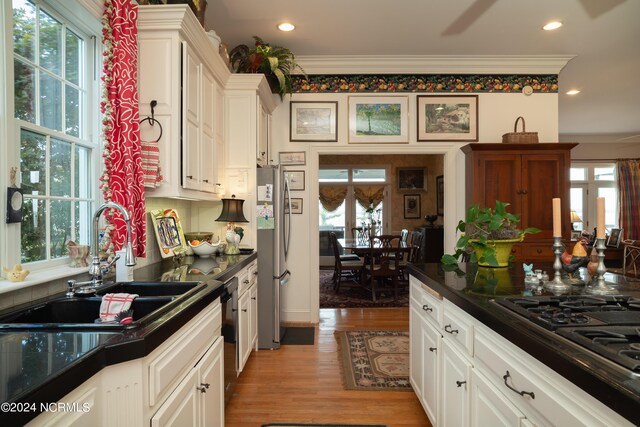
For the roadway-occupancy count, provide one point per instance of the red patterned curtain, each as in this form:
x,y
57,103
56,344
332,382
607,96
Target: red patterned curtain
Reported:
x,y
122,179
629,197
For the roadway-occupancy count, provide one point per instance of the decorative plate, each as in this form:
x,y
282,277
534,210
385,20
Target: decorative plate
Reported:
x,y
168,229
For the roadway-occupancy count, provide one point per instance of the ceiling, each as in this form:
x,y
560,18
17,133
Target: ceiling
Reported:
x,y
604,36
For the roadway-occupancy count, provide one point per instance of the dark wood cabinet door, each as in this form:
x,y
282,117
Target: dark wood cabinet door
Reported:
x,y
496,176
542,179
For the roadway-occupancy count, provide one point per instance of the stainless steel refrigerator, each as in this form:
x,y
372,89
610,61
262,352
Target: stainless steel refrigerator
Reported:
x,y
274,230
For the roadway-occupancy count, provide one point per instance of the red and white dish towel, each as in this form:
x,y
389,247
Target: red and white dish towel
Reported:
x,y
150,156
113,304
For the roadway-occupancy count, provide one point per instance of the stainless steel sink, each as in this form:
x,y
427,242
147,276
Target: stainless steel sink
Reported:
x,y
155,299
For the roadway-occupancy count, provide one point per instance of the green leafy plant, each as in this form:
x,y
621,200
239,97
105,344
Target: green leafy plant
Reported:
x,y
274,61
482,227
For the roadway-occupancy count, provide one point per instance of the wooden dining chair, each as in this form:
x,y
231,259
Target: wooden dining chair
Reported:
x,y
383,267
345,266
415,244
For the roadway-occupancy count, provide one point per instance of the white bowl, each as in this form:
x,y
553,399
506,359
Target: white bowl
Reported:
x,y
204,248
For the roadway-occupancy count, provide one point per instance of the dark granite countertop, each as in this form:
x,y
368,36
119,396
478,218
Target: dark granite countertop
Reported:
x,y
41,366
614,387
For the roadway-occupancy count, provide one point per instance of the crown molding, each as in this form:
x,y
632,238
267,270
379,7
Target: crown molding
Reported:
x,y
434,64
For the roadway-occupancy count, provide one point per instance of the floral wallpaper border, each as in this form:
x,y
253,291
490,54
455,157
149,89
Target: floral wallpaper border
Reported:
x,y
437,83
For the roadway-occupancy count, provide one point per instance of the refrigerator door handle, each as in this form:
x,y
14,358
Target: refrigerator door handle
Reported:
x,y
286,230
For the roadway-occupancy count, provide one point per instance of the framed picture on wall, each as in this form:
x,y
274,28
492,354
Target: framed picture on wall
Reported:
x,y
378,119
411,179
292,158
412,206
447,117
296,180
296,206
313,121
440,195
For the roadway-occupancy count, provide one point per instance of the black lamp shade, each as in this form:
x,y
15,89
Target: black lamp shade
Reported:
x,y
232,210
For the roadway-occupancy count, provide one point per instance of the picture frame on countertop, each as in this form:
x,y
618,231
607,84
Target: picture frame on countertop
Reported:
x,y
378,119
412,206
575,235
615,237
292,158
296,180
412,179
168,230
296,206
313,121
447,118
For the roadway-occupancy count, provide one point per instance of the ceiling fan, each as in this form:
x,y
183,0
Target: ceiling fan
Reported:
x,y
593,8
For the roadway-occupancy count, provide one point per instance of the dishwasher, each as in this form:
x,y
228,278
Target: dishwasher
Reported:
x,y
229,300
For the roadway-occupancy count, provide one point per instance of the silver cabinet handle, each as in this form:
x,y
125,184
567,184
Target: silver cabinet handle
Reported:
x,y
447,328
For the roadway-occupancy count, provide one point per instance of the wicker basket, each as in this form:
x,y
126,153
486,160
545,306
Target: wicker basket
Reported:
x,y
523,137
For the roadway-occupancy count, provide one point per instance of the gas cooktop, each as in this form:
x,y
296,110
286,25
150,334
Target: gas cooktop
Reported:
x,y
606,325
554,312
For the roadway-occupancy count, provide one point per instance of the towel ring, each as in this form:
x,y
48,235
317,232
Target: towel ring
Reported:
x,y
152,122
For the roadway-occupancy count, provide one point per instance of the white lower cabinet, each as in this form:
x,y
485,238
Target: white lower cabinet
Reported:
x,y
456,374
87,413
197,401
248,313
489,407
425,342
180,383
475,377
244,328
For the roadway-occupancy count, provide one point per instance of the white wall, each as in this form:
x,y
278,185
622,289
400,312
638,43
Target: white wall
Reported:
x,y
497,114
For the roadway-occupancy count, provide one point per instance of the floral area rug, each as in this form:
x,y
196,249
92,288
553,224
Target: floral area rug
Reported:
x,y
374,360
352,295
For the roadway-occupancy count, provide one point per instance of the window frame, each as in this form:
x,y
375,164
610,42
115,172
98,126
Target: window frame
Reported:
x,y
83,18
350,211
590,186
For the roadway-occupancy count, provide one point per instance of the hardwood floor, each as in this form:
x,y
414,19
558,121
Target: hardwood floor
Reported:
x,y
301,383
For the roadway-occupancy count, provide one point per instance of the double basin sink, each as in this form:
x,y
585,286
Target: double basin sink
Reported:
x,y
154,299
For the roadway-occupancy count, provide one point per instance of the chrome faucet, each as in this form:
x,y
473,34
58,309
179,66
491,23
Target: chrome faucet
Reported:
x,y
97,269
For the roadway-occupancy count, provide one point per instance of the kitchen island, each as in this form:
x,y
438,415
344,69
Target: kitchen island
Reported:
x,y
42,367
476,362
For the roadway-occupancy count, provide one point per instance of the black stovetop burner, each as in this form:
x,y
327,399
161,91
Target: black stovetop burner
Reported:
x,y
553,312
620,344
606,325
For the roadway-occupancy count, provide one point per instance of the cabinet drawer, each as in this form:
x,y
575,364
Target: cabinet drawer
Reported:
x,y
537,252
543,396
457,327
244,280
253,272
431,306
180,356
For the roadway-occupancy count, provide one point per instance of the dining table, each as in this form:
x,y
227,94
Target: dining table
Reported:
x,y
363,247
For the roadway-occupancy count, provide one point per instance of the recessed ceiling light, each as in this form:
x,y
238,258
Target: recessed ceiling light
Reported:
x,y
286,26
553,25
572,92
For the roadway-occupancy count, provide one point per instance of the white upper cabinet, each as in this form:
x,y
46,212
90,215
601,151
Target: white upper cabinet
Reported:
x,y
181,70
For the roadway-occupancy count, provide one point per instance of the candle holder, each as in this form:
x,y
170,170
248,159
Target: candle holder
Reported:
x,y
598,286
556,285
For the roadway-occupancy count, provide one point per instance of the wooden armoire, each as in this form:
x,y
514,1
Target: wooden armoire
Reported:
x,y
528,176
